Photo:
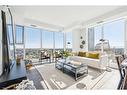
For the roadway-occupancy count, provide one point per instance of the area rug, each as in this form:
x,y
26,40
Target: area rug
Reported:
x,y
56,79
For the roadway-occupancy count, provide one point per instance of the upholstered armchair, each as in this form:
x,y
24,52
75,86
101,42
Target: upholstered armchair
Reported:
x,y
44,55
57,55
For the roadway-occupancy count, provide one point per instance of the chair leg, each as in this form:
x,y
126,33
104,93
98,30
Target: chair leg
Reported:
x,y
50,60
55,60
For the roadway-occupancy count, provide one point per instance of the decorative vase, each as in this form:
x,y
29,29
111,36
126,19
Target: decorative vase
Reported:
x,y
18,59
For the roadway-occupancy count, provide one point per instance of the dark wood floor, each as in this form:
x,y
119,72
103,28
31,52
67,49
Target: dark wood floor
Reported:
x,y
34,75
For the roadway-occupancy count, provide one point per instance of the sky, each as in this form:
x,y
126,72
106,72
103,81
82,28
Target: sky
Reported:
x,y
114,32
33,37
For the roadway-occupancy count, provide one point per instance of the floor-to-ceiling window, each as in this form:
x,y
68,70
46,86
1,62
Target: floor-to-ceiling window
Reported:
x,y
10,34
59,38
19,50
32,42
19,34
39,39
69,41
11,41
32,37
35,40
97,34
113,32
47,41
19,41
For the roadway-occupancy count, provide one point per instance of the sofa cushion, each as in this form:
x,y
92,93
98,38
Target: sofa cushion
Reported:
x,y
75,62
84,60
82,54
92,55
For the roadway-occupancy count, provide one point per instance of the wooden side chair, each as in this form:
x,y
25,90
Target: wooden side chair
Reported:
x,y
123,71
44,55
56,56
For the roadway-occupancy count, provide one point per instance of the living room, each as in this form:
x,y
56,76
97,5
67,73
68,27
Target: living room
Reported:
x,y
65,47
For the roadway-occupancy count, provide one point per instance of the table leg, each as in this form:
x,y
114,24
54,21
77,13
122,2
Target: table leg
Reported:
x,y
75,74
63,67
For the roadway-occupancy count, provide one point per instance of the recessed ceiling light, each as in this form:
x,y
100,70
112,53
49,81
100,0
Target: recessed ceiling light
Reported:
x,y
100,22
33,25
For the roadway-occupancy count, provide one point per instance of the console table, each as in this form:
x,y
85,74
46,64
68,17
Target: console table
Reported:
x,y
16,75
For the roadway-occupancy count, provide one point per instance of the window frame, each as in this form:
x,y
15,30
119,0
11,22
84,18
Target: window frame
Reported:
x,y
10,43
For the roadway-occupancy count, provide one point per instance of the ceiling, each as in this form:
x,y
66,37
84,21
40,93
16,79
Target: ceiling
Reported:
x,y
61,16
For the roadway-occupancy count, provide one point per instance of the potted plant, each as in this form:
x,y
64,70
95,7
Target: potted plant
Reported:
x,y
65,54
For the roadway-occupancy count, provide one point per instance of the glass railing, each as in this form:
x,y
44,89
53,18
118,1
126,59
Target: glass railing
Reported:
x,y
118,51
35,54
19,53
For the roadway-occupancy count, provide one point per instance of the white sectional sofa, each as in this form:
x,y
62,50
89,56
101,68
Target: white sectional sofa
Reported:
x,y
100,63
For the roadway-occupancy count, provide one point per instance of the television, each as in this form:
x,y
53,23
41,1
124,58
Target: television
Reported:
x,y
5,50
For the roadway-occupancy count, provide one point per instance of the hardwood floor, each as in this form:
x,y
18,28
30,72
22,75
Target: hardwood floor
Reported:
x,y
34,75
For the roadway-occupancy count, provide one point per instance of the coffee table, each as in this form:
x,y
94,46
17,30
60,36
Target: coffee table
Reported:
x,y
78,70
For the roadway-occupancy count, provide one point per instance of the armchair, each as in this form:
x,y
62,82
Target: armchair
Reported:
x,y
57,55
44,55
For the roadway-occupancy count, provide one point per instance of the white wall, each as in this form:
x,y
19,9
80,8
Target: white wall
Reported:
x,y
83,34
75,40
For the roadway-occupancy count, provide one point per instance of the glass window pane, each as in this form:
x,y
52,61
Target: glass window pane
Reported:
x,y
10,35
19,51
97,34
114,32
32,38
69,40
47,39
10,43
19,34
59,40
11,52
33,54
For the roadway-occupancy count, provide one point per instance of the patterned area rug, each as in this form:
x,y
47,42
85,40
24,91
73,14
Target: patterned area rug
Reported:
x,y
56,79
